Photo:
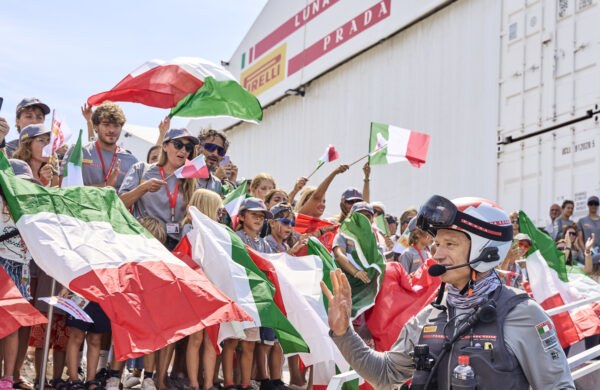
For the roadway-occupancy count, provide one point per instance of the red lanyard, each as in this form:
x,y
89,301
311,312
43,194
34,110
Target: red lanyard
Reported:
x,y
112,163
420,255
173,199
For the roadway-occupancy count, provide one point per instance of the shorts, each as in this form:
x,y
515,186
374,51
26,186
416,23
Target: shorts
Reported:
x,y
19,273
267,336
59,333
101,322
252,334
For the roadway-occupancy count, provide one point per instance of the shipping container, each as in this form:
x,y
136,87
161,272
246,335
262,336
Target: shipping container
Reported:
x,y
549,71
549,168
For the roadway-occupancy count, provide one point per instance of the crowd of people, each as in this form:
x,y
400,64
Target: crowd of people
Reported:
x,y
265,222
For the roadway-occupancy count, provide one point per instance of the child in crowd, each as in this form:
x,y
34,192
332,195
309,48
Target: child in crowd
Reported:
x,y
252,215
261,185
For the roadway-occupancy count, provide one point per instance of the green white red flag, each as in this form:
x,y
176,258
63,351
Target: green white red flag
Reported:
x,y
390,144
195,168
330,155
554,284
365,256
236,270
87,240
190,86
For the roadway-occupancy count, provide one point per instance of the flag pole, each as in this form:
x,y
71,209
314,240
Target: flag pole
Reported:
x,y
313,172
47,337
367,155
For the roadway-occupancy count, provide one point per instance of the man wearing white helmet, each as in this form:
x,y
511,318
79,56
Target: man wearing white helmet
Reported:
x,y
508,337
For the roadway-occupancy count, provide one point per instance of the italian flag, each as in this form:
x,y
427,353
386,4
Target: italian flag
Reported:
x,y
238,271
233,200
59,135
402,297
330,155
195,168
381,225
554,284
365,256
190,86
15,311
72,175
390,144
87,240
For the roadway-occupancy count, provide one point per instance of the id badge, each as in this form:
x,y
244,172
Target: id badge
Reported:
x,y
80,301
172,228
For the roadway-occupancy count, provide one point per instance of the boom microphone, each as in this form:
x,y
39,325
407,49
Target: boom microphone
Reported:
x,y
488,255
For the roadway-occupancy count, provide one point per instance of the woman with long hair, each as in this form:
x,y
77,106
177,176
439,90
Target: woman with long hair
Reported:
x,y
33,139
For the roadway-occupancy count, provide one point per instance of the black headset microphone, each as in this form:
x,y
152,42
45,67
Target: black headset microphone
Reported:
x,y
488,255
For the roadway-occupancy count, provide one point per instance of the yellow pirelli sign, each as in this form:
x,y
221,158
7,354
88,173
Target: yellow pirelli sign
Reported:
x,y
267,72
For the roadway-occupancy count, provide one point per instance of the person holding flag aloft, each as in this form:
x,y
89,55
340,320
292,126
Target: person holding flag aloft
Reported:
x,y
510,340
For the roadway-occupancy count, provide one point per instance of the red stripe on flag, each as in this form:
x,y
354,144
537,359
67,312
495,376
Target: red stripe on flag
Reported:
x,y
563,323
15,311
333,154
416,151
163,86
152,304
267,267
307,224
189,171
403,298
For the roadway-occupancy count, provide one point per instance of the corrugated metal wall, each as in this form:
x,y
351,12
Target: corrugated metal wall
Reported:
x,y
439,77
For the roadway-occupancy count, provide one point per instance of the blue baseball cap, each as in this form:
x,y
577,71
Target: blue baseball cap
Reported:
x,y
361,206
33,131
279,207
352,194
28,102
255,204
180,133
593,198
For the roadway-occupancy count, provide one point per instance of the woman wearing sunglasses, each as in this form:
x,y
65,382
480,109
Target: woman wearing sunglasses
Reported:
x,y
151,189
573,253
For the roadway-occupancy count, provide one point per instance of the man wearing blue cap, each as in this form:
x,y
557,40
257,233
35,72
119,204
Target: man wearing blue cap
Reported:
x,y
104,163
30,111
590,224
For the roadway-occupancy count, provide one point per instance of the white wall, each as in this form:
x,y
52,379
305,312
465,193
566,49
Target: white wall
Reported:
x,y
439,77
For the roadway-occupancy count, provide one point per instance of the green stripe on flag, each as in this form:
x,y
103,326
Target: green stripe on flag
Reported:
x,y
263,293
220,98
379,157
88,204
381,224
546,245
314,247
367,255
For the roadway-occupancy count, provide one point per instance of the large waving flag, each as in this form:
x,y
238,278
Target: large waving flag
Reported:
x,y
554,284
233,268
365,256
389,144
308,224
15,311
73,175
192,87
86,239
402,297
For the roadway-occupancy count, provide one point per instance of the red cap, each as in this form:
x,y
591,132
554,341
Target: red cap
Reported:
x,y
463,359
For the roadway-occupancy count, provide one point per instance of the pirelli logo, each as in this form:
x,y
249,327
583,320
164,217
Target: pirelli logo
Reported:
x,y
266,73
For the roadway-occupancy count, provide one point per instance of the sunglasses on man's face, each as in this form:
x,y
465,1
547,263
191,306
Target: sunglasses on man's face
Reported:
x,y
177,144
593,204
286,221
212,147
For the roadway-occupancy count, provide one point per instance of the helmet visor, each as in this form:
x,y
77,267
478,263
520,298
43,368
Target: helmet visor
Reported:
x,y
437,213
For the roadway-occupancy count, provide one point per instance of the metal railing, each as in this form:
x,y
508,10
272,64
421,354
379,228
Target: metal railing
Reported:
x,y
574,361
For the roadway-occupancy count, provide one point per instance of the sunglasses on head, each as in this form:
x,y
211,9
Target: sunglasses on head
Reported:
x,y
212,147
353,201
286,221
177,144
